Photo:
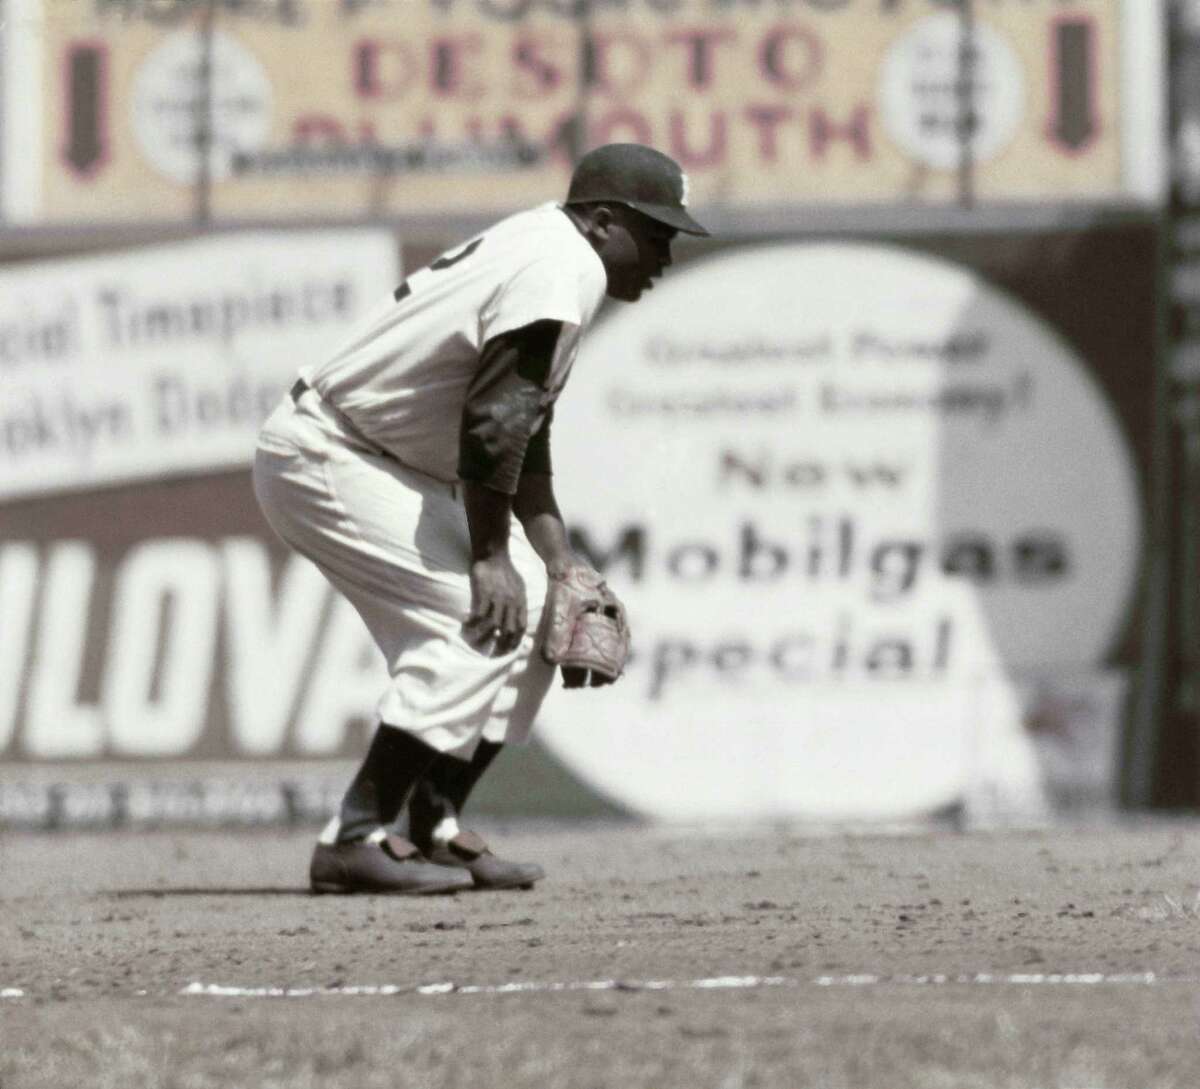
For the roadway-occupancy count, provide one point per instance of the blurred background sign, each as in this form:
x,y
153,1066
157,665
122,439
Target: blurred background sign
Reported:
x,y
162,361
286,109
141,614
859,500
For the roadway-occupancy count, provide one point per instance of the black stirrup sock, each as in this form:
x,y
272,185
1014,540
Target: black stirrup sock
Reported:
x,y
394,762
443,791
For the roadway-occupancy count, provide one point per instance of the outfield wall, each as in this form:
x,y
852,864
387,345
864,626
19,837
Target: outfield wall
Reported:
x,y
880,470
878,505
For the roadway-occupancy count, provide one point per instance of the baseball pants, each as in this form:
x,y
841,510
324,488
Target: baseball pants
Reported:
x,y
395,543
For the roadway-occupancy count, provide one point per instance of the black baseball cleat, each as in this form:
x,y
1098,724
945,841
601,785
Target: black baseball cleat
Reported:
x,y
390,865
469,851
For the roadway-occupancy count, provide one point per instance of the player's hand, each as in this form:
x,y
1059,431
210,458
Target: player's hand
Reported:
x,y
498,606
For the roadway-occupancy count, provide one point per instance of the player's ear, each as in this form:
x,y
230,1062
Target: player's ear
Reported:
x,y
595,222
603,218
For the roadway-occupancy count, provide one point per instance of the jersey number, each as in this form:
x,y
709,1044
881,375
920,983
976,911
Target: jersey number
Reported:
x,y
462,255
442,263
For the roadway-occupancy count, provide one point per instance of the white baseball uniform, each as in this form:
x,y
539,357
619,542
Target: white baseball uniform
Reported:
x,y
359,473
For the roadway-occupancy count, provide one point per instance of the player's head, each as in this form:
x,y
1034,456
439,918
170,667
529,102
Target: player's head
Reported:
x,y
636,176
630,201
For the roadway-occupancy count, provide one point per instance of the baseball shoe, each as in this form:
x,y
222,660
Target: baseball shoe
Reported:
x,y
389,865
469,851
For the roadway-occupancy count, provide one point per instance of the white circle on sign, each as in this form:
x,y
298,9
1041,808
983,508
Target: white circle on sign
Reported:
x,y
921,91
848,493
169,99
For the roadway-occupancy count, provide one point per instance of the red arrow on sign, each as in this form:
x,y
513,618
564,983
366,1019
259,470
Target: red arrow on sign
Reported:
x,y
86,73
1073,124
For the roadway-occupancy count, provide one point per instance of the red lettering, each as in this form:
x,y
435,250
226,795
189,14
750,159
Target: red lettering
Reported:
x,y
718,140
555,142
700,46
766,120
311,128
790,57
615,62
822,131
383,70
448,60
536,74
551,143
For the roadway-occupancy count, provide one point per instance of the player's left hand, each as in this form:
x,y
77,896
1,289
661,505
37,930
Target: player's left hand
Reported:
x,y
586,630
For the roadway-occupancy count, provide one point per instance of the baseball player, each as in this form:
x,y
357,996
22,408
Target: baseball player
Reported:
x,y
413,468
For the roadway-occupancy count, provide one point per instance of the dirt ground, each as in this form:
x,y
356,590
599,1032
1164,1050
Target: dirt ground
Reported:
x,y
1051,959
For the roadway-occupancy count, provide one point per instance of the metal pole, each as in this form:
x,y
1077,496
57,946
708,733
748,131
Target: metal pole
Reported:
x,y
1184,356
204,120
1152,701
1168,680
966,122
578,136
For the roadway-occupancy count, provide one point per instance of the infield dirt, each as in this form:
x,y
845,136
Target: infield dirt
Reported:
x,y
1050,959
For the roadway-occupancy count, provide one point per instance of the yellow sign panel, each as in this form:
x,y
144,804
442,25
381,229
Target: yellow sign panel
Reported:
x,y
264,109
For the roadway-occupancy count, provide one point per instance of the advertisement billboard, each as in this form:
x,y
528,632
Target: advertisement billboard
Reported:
x,y
857,499
286,109
144,364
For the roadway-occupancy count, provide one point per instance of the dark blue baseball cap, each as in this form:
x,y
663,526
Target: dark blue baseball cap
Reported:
x,y
638,176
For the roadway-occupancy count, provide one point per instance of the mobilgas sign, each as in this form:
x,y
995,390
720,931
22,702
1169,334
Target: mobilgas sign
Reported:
x,y
849,493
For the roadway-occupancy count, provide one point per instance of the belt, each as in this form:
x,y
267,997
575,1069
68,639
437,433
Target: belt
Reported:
x,y
298,390
301,387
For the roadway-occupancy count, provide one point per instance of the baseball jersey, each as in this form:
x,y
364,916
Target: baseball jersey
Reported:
x,y
401,375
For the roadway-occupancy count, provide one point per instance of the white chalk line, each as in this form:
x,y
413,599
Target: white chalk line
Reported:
x,y
197,989
716,983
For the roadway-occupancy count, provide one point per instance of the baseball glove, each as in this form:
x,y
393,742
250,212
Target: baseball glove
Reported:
x,y
586,632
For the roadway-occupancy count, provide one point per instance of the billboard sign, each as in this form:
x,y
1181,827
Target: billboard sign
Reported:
x,y
851,494
294,108
145,364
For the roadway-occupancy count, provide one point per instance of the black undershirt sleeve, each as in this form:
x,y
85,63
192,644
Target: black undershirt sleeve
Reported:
x,y
505,404
537,453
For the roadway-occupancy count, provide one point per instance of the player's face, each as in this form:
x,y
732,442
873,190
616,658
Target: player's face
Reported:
x,y
635,250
